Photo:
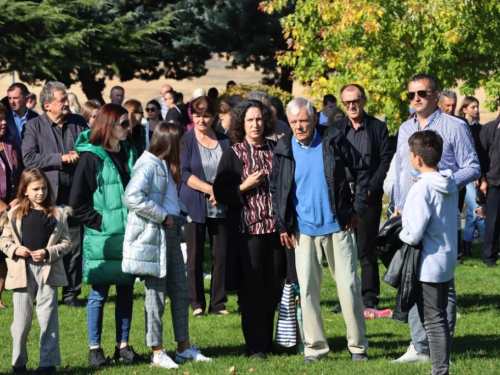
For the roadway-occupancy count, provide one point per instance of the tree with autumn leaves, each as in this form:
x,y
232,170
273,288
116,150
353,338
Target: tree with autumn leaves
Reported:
x,y
381,44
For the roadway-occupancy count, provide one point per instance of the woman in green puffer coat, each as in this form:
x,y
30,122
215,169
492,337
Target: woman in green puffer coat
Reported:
x,y
104,170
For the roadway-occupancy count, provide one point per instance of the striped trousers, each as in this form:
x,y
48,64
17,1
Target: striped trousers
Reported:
x,y
47,314
175,284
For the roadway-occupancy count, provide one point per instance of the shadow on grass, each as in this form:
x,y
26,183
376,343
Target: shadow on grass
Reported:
x,y
479,302
476,346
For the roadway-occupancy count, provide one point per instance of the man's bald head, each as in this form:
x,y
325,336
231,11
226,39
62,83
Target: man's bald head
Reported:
x,y
164,89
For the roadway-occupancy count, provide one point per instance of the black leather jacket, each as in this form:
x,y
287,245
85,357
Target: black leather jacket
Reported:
x,y
337,154
403,266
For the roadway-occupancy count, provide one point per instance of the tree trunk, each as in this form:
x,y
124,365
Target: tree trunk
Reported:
x,y
286,80
91,86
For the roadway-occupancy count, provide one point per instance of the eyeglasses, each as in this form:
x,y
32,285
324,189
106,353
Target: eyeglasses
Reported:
x,y
348,103
125,124
139,112
421,93
153,109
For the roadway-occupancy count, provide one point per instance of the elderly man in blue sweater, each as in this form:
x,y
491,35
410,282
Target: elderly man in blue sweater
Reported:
x,y
315,212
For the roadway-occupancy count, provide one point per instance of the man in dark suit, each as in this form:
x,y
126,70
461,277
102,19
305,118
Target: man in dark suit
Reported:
x,y
49,144
19,113
370,137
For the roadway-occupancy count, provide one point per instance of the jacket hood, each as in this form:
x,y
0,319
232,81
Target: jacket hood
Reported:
x,y
82,144
443,182
148,157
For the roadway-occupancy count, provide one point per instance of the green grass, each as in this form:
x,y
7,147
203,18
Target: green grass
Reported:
x,y
476,346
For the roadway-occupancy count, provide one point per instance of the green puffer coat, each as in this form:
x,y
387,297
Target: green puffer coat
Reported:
x,y
103,251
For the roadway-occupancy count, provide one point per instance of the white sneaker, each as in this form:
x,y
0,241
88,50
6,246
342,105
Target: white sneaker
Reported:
x,y
191,354
412,355
163,360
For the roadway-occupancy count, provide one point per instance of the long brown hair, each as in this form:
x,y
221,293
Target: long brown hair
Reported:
x,y
165,146
31,175
465,103
104,122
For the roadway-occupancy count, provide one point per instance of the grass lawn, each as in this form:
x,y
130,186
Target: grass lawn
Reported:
x,y
476,346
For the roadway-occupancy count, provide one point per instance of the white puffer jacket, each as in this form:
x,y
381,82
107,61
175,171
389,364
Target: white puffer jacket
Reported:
x,y
144,246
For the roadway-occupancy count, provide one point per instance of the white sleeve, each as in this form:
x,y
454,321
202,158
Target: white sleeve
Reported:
x,y
416,216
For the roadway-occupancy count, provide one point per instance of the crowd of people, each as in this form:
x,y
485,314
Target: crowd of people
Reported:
x,y
113,187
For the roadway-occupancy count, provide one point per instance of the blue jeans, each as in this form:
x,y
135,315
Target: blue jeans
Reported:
x,y
471,219
123,312
418,335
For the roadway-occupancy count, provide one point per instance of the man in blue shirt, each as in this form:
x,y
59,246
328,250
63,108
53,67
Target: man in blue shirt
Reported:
x,y
314,212
459,156
19,113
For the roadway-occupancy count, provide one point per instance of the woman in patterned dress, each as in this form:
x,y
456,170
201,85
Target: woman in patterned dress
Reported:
x,y
242,183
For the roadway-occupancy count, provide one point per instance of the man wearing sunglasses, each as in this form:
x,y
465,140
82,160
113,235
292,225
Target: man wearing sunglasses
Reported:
x,y
370,138
48,143
458,155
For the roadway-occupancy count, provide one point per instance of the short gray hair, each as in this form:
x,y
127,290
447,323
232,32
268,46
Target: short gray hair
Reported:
x,y
47,93
448,93
298,104
259,95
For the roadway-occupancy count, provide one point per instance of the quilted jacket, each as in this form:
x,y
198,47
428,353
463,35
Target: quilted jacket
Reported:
x,y
144,246
102,249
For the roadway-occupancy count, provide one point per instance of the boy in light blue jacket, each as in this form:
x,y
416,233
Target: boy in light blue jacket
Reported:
x,y
431,216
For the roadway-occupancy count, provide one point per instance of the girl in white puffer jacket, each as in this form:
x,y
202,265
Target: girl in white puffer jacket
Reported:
x,y
152,243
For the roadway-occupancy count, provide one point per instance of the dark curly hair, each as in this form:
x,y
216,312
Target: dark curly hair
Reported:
x,y
237,128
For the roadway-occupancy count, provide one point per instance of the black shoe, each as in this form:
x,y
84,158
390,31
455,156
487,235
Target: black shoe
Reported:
x,y
97,358
72,302
44,370
359,357
198,313
258,355
490,265
274,351
19,370
127,355
337,309
370,305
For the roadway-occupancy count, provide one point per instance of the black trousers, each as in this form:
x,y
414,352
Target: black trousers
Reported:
x,y
432,301
260,257
492,231
195,242
291,271
366,232
73,262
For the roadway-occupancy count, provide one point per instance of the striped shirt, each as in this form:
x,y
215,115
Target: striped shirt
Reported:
x,y
458,153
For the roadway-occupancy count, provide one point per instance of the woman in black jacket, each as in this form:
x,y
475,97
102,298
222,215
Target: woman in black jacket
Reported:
x,y
242,183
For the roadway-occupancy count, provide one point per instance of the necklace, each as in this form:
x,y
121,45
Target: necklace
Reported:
x,y
118,150
203,140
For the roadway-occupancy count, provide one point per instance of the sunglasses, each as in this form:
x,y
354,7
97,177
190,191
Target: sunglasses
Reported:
x,y
421,93
348,103
141,113
125,124
152,109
